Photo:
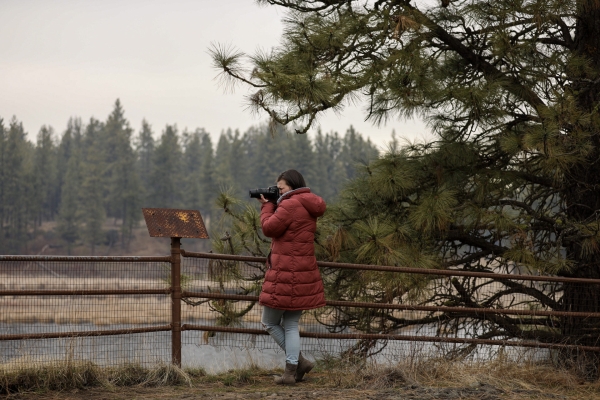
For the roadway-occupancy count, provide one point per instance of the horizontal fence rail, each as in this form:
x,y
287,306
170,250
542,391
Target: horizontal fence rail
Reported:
x,y
407,307
547,317
384,268
209,328
111,332
60,303
80,292
74,259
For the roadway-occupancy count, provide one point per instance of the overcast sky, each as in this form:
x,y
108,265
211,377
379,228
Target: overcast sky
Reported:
x,y
64,58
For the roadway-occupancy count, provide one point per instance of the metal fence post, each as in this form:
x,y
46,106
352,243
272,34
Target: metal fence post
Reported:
x,y
176,301
176,224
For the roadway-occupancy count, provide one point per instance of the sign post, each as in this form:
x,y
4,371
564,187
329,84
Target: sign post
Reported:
x,y
176,224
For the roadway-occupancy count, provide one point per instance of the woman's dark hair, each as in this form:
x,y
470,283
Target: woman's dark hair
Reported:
x,y
293,178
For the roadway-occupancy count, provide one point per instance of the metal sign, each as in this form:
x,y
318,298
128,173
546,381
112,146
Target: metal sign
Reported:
x,y
170,222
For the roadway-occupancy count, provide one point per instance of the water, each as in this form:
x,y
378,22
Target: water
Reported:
x,y
150,348
215,352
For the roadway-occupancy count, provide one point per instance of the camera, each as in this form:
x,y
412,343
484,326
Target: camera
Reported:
x,y
270,193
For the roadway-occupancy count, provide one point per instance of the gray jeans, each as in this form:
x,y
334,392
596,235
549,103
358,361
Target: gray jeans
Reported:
x,y
282,325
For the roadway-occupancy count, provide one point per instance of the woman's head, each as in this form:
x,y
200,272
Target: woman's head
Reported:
x,y
292,178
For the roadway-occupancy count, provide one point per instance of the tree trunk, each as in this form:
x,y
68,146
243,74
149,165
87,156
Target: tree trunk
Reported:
x,y
582,198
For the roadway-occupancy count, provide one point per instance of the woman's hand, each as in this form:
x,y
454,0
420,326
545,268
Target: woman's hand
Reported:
x,y
262,199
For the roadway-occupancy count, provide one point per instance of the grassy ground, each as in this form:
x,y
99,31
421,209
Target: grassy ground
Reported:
x,y
331,379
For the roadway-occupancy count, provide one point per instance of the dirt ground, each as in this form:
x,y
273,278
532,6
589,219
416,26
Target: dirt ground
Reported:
x,y
262,387
300,393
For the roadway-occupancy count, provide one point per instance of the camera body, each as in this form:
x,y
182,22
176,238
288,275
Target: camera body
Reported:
x,y
270,193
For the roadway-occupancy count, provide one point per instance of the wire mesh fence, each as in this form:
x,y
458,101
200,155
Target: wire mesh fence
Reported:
x,y
221,311
115,310
104,311
474,315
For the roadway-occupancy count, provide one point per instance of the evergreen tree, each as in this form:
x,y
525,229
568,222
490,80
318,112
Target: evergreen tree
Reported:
x,y
222,174
332,172
208,190
299,155
166,173
238,160
272,150
65,149
199,191
17,188
356,152
323,164
93,186
45,175
124,189
192,162
266,155
69,215
145,153
68,220
512,179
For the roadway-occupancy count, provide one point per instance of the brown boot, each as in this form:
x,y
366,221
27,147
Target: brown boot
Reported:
x,y
304,366
288,375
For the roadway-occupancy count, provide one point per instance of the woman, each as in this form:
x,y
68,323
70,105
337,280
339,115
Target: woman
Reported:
x,y
292,281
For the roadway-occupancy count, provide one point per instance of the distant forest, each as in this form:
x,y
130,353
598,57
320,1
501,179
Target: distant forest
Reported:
x,y
99,170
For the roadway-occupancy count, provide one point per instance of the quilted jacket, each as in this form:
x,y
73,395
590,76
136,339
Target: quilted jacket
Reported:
x,y
292,280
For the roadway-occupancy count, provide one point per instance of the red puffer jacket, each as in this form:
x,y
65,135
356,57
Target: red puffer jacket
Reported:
x,y
293,280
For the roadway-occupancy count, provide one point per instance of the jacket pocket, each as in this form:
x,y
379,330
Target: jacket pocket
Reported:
x,y
269,261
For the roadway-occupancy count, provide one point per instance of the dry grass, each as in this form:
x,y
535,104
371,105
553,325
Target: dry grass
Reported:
x,y
68,374
71,374
529,379
98,310
102,310
502,374
438,378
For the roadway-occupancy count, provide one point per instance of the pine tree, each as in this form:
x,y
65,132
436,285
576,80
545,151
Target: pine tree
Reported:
x,y
199,191
166,173
68,220
145,153
272,150
511,90
323,164
267,155
356,152
17,188
93,186
69,215
65,149
222,174
238,160
208,189
45,175
299,155
332,171
123,199
192,163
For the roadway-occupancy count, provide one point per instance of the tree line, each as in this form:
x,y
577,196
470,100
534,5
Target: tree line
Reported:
x,y
103,170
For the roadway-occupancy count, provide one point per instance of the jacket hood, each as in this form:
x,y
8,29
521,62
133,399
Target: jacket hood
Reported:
x,y
314,204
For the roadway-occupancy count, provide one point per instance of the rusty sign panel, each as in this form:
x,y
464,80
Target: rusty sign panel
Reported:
x,y
170,222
